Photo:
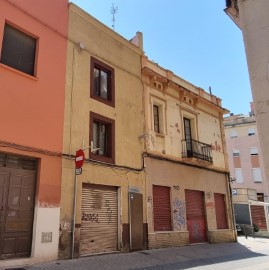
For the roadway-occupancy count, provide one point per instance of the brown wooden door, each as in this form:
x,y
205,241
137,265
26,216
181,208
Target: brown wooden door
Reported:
x,y
17,190
195,212
136,220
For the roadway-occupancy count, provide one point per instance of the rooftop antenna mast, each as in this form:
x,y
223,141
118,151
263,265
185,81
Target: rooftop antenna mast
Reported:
x,y
113,11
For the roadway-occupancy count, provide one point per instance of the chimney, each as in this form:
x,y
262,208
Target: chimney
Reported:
x,y
138,40
252,112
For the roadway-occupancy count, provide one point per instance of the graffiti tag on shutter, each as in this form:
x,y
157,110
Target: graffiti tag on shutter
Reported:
x,y
90,217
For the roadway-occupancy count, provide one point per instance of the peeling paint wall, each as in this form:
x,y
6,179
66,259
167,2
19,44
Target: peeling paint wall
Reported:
x,y
167,166
175,103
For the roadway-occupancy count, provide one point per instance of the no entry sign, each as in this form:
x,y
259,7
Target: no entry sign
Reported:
x,y
79,158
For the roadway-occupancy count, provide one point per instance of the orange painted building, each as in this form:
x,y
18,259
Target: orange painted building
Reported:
x,y
33,44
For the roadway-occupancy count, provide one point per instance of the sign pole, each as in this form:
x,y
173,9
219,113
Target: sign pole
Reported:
x,y
74,215
79,160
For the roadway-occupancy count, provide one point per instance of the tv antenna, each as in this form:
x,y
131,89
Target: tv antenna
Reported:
x,y
113,11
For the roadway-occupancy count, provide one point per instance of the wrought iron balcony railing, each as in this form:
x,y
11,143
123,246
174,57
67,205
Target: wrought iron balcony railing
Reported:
x,y
195,149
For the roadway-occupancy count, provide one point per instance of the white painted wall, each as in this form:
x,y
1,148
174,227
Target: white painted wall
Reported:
x,y
46,220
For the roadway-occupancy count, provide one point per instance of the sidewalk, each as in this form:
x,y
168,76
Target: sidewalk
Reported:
x,y
263,234
185,256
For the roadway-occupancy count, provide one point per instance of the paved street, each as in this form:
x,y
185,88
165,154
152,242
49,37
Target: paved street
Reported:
x,y
247,254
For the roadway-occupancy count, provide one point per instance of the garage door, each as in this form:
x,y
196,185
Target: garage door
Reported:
x,y
99,219
258,216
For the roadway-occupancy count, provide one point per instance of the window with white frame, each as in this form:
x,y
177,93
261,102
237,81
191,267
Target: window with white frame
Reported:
x,y
257,175
253,151
233,133
251,131
236,153
238,175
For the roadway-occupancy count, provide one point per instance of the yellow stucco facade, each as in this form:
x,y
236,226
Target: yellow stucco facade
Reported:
x,y
88,39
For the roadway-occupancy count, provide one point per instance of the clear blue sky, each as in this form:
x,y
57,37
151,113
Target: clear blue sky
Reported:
x,y
194,39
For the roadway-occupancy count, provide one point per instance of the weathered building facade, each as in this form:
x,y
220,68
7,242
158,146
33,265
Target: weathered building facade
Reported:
x,y
252,18
187,183
104,118
32,84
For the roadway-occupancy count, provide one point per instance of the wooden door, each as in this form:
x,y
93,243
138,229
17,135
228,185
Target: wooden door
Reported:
x,y
17,198
136,220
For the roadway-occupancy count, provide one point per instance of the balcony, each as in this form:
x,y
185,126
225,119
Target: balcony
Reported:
x,y
195,149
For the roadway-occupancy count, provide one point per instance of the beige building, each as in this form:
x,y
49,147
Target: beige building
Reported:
x,y
187,179
243,148
249,186
104,118
251,16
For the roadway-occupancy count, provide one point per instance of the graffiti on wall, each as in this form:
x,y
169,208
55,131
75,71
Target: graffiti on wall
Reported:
x,y
179,214
210,205
209,194
215,147
196,230
90,217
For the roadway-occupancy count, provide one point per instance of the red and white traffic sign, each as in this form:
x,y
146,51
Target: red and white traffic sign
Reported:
x,y
80,156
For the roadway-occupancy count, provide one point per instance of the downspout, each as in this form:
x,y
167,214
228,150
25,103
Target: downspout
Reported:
x,y
145,244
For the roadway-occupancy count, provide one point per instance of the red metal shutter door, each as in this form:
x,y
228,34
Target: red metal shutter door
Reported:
x,y
162,208
258,216
220,210
196,223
